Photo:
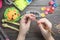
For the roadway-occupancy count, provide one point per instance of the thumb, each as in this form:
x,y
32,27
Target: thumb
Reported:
x,y
42,28
29,21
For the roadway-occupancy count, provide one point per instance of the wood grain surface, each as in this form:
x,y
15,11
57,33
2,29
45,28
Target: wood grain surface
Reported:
x,y
34,32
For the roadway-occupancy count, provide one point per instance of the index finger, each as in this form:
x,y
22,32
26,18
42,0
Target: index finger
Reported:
x,y
47,22
28,15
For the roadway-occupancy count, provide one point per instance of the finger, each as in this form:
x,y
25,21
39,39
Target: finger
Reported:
x,y
28,23
29,16
32,17
47,22
42,28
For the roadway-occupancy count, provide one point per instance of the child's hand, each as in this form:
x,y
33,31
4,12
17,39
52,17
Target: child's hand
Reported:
x,y
25,23
43,25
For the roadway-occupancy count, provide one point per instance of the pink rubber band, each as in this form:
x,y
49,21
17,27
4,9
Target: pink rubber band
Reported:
x,y
0,3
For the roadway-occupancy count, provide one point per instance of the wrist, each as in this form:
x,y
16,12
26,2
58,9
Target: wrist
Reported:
x,y
21,36
50,38
22,32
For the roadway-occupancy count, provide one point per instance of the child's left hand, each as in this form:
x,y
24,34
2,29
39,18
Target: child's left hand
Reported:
x,y
25,23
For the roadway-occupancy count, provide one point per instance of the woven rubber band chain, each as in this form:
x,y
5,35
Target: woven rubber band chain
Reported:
x,y
47,10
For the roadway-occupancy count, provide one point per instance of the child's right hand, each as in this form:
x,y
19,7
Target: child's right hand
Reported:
x,y
47,35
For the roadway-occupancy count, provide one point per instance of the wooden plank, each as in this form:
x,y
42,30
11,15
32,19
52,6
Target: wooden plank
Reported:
x,y
43,2
34,32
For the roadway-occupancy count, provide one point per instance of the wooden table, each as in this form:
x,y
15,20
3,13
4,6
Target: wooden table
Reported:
x,y
34,32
